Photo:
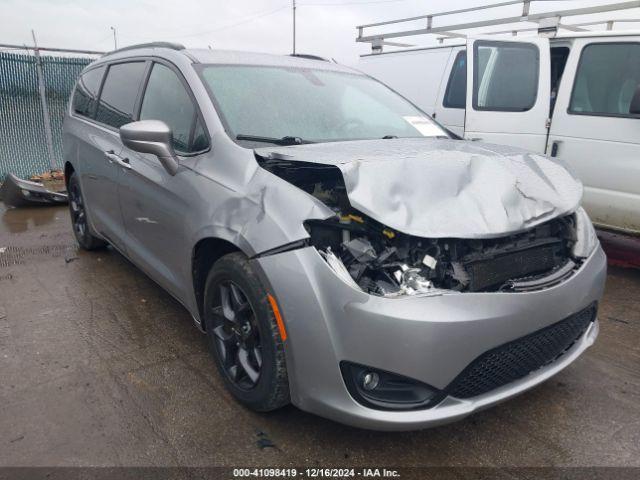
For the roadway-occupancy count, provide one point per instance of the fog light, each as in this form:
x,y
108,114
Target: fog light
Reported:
x,y
370,380
387,391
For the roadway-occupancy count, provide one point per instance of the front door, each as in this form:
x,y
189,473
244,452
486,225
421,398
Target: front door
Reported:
x,y
508,99
155,204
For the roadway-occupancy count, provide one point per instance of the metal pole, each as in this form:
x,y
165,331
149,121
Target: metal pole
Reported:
x,y
294,27
45,108
115,39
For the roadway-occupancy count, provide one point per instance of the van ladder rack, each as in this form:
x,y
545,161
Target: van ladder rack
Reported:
x,y
548,22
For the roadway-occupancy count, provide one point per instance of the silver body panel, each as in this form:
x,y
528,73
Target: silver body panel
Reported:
x,y
428,338
157,219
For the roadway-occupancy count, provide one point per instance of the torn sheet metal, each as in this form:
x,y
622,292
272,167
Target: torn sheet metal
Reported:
x,y
16,192
445,188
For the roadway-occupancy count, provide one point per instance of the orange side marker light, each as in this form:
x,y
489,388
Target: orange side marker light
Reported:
x,y
276,313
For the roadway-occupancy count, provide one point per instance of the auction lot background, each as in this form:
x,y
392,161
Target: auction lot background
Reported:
x,y
100,368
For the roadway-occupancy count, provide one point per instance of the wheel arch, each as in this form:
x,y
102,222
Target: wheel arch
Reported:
x,y
68,171
206,252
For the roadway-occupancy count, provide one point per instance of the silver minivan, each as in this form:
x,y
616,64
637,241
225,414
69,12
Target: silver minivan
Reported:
x,y
341,250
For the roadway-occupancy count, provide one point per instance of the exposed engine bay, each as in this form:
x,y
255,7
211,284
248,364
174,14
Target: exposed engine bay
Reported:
x,y
381,261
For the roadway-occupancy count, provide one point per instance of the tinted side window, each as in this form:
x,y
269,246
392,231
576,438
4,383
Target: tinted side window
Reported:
x,y
119,93
505,76
456,94
606,80
167,99
86,93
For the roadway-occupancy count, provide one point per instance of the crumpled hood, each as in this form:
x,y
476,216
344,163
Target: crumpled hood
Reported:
x,y
445,188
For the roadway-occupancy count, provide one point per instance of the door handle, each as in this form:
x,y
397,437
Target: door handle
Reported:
x,y
114,157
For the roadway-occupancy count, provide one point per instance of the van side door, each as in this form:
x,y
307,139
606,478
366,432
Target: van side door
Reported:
x,y
100,146
450,104
508,99
596,133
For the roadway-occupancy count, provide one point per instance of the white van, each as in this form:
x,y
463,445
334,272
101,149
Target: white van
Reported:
x,y
573,96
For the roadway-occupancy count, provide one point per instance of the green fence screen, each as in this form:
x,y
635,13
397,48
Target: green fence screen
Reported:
x,y
23,146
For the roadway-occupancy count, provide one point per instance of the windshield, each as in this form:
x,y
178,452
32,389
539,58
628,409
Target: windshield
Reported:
x,y
297,105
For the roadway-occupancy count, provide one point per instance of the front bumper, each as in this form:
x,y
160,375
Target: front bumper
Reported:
x,y
430,339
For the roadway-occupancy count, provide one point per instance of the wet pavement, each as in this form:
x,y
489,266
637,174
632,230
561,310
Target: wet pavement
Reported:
x,y
99,366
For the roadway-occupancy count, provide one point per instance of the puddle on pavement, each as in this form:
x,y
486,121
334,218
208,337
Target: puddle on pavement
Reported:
x,y
18,220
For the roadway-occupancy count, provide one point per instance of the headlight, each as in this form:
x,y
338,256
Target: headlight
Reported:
x,y
586,238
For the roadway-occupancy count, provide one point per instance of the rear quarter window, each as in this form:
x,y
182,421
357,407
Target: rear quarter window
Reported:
x,y
85,97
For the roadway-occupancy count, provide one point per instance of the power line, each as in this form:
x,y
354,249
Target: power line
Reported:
x,y
342,4
247,19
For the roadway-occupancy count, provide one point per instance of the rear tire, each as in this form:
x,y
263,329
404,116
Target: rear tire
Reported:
x,y
243,335
78,209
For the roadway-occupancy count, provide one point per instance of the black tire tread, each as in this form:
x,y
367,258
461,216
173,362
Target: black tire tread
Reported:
x,y
90,241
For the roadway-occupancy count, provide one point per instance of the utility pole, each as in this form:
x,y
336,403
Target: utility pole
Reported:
x,y
115,39
294,27
43,101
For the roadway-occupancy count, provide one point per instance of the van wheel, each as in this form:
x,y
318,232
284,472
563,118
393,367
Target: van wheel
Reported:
x,y
243,335
77,207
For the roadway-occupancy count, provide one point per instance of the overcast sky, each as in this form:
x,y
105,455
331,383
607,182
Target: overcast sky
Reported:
x,y
325,27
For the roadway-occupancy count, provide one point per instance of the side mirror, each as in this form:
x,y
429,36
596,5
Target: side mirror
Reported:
x,y
151,136
634,108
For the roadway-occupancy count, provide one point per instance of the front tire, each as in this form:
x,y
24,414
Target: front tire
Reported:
x,y
79,221
243,335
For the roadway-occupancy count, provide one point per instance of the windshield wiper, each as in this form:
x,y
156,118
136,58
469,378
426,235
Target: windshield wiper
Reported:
x,y
276,141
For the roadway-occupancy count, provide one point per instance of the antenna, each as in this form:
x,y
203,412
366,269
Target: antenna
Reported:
x,y
294,27
115,38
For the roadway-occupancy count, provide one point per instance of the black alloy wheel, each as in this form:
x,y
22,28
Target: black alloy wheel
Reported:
x,y
244,336
237,336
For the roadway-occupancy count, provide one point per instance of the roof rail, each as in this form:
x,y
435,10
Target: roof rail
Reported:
x,y
548,22
309,56
171,45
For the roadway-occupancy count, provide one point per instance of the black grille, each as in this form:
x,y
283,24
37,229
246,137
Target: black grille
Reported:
x,y
496,271
518,358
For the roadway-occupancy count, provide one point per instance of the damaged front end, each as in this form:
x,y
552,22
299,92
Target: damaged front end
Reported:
x,y
16,192
379,260
383,262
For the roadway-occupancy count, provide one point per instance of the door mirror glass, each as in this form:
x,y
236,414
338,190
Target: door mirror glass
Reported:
x,y
634,108
154,137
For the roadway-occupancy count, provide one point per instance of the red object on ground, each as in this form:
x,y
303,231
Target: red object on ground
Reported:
x,y
622,250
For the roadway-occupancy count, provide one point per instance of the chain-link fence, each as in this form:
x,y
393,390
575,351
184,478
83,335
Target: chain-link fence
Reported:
x,y
26,115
